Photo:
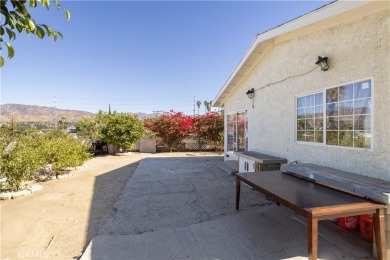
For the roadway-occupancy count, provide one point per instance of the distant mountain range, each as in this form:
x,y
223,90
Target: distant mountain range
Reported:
x,y
33,113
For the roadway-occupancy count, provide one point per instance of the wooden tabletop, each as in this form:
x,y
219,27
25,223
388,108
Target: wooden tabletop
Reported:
x,y
303,196
315,202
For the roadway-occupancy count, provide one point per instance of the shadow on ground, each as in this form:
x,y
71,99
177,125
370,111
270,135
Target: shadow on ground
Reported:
x,y
106,189
184,207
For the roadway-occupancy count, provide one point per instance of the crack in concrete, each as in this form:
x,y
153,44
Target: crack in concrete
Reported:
x,y
261,204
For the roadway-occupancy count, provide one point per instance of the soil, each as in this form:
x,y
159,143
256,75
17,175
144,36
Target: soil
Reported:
x,y
60,220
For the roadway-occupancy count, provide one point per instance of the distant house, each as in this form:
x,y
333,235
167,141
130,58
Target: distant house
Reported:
x,y
279,101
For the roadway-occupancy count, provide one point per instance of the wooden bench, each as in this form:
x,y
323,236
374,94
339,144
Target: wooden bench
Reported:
x,y
315,202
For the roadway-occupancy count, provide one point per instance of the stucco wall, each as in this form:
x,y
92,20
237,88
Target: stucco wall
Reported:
x,y
356,50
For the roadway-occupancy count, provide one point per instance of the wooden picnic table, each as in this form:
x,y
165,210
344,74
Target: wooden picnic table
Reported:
x,y
315,202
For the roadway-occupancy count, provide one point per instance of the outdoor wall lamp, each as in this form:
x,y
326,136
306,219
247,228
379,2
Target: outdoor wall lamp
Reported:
x,y
323,63
250,93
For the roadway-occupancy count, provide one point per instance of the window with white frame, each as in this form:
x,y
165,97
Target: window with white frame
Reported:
x,y
236,132
310,118
339,116
231,132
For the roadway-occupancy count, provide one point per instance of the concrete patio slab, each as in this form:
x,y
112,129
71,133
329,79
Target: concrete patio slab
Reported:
x,y
184,208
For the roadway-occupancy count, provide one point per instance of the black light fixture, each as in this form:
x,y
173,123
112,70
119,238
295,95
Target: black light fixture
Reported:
x,y
323,62
250,93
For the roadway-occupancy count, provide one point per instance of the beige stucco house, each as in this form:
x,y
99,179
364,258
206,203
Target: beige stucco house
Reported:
x,y
338,118
278,101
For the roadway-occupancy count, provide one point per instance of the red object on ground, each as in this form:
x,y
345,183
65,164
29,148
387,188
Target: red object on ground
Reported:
x,y
348,223
366,226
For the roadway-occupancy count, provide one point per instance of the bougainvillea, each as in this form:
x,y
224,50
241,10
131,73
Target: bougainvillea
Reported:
x,y
210,127
172,127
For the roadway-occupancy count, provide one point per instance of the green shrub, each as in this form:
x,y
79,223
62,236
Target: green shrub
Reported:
x,y
21,160
63,151
122,130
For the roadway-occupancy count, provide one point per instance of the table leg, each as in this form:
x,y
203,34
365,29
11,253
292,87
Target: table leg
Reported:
x,y
312,237
380,236
238,190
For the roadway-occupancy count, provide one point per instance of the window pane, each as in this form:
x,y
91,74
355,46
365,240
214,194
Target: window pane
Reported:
x,y
301,136
332,109
301,113
318,137
301,102
309,117
346,92
319,111
241,132
332,138
310,112
309,100
332,123
231,132
362,139
319,123
362,89
318,99
363,106
363,122
346,108
348,116
346,138
332,95
346,122
309,124
301,125
309,136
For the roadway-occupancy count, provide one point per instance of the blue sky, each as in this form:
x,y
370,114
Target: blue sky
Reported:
x,y
138,56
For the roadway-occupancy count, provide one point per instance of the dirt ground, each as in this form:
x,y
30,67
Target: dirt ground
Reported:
x,y
60,220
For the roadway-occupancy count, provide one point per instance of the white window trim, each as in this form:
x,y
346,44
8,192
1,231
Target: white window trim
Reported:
x,y
235,147
323,144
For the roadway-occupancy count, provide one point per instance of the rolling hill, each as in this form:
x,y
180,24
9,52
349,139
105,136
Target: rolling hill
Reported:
x,y
33,113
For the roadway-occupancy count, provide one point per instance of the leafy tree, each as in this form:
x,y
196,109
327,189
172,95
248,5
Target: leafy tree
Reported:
x,y
17,19
171,127
207,106
92,127
87,128
21,160
5,137
198,103
63,123
210,127
121,129
62,151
